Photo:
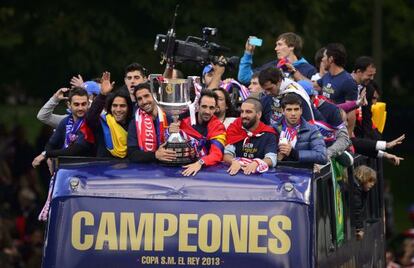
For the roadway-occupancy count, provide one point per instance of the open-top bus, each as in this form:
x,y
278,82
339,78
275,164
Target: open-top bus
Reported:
x,y
119,214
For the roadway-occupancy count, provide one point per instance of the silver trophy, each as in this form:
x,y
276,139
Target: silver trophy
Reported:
x,y
173,96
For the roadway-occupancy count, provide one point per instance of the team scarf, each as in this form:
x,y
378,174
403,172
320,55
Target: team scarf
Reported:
x,y
115,136
318,100
71,132
261,165
243,91
289,133
216,135
328,131
236,132
148,140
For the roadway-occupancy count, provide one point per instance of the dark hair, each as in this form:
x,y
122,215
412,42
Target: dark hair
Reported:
x,y
256,102
271,74
362,63
290,98
376,87
123,94
230,111
318,57
208,93
142,86
293,40
77,91
135,67
255,75
338,52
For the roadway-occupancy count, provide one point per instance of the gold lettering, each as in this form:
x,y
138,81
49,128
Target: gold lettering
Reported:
x,y
184,231
76,230
107,232
161,231
128,227
203,233
255,232
281,243
239,237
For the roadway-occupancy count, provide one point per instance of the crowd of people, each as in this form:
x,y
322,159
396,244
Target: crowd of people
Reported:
x,y
285,110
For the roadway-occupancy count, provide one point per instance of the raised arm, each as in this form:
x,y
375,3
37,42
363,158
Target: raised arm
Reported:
x,y
92,117
245,67
45,114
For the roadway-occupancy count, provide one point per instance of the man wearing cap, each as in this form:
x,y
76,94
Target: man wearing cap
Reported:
x,y
251,144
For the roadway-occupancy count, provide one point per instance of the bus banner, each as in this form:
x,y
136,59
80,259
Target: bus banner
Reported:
x,y
121,232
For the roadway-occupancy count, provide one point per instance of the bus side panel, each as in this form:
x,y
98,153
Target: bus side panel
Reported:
x,y
115,232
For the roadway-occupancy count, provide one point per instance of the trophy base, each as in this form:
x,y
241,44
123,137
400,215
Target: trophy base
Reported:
x,y
184,151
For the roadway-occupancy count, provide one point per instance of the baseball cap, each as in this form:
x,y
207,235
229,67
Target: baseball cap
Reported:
x,y
92,87
307,86
207,69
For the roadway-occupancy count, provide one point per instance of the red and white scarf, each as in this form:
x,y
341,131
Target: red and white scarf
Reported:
x,y
261,165
148,140
289,133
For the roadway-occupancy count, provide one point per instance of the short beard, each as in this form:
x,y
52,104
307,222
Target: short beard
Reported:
x,y
249,124
219,112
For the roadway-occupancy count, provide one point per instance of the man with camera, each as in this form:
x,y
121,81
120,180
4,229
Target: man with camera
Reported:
x,y
289,58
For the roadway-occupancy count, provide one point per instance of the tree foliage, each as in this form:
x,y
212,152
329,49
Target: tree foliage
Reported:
x,y
44,43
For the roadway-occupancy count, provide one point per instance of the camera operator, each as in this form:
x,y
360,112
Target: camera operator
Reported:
x,y
212,73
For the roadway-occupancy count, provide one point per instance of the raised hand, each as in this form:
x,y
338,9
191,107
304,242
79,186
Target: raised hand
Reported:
x,y
76,81
106,85
395,142
249,48
60,94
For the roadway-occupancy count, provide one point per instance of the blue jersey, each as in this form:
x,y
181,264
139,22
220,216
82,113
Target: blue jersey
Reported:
x,y
257,147
339,88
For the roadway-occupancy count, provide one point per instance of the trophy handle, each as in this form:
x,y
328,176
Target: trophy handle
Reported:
x,y
194,82
155,78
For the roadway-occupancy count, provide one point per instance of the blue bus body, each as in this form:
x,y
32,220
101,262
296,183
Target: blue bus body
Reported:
x,y
114,214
